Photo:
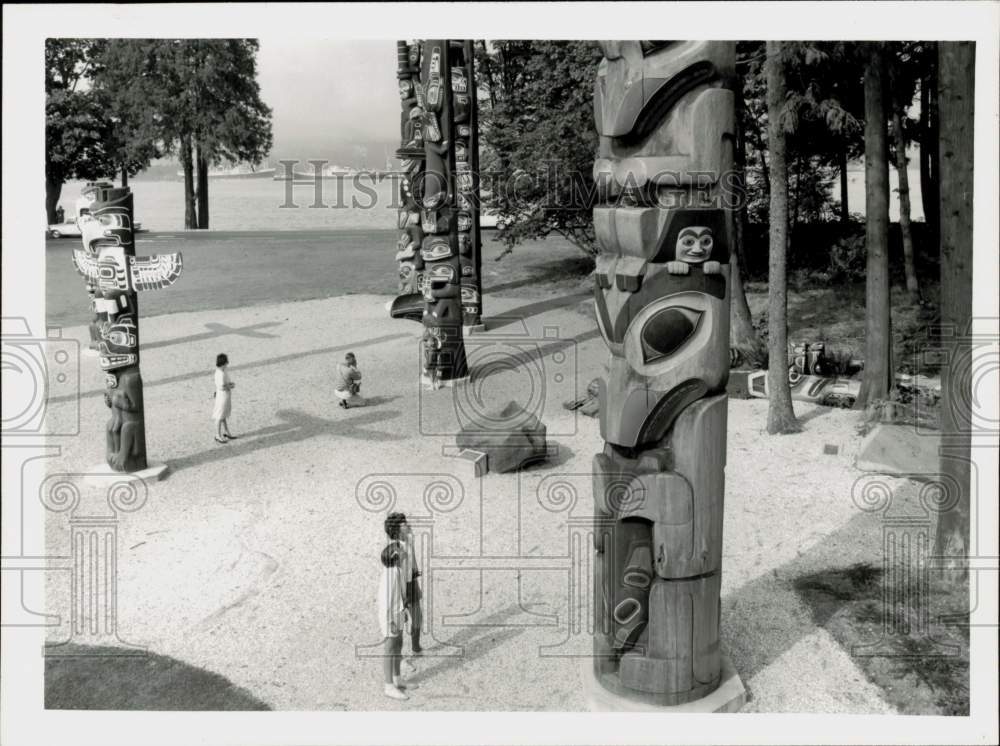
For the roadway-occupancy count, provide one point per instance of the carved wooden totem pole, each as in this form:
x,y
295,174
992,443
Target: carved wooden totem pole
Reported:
x,y
435,250
664,111
109,265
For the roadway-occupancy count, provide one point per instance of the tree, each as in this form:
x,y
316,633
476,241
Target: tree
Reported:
x,y
232,123
741,331
541,139
877,376
198,98
780,415
902,88
77,126
929,156
957,97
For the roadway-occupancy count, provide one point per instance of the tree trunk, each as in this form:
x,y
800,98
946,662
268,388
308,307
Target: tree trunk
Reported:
x,y
53,190
741,331
877,377
780,415
124,176
845,212
201,163
929,148
912,288
957,71
190,216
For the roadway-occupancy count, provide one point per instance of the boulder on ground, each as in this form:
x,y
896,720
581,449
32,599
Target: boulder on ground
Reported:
x,y
510,436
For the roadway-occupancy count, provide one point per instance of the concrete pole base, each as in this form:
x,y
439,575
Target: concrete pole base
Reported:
x,y
154,472
729,697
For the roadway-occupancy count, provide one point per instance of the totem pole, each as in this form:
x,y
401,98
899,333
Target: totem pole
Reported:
x,y
463,77
411,153
437,232
664,112
108,264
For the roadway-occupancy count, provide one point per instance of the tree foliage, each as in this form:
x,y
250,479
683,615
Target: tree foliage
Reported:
x,y
539,137
78,130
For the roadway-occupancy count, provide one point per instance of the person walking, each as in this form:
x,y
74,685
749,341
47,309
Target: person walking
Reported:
x,y
391,619
348,383
223,399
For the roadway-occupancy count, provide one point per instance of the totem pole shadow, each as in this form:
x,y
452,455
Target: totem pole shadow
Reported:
x,y
219,330
476,641
99,678
544,272
770,614
513,315
297,426
818,410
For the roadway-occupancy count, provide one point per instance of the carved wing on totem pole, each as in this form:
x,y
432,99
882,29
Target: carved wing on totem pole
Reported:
x,y
144,272
155,272
86,265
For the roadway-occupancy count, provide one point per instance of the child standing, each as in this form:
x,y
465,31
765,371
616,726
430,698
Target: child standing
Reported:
x,y
223,400
391,617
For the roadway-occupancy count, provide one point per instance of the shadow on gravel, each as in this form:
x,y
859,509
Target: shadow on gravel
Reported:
x,y
298,426
541,273
837,585
474,641
84,677
219,330
514,315
293,357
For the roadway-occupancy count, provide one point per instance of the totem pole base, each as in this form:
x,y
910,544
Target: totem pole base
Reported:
x,y
729,697
427,383
473,329
154,472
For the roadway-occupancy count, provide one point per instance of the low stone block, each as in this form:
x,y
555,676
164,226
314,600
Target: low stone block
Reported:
x,y
899,450
510,437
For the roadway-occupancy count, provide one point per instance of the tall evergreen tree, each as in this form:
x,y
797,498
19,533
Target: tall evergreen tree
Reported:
x,y
957,98
877,376
780,415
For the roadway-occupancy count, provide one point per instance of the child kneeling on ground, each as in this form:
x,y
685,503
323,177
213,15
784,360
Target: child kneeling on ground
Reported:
x,y
348,383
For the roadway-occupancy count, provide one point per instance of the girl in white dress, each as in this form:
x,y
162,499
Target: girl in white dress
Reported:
x,y
223,400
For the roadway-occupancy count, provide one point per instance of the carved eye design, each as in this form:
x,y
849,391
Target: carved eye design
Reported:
x,y
667,330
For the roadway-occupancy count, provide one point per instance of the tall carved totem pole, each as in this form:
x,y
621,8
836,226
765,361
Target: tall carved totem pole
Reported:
x,y
114,276
664,111
439,247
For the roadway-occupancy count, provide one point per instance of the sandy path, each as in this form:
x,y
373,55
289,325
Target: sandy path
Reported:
x,y
257,560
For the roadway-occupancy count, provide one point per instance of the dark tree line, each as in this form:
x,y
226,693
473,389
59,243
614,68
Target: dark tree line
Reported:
x,y
114,105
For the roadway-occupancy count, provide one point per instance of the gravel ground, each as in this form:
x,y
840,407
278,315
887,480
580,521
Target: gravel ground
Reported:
x,y
257,560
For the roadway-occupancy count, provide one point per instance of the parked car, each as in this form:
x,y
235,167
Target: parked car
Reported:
x,y
488,219
67,228
70,228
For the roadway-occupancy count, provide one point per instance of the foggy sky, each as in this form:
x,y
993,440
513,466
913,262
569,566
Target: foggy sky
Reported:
x,y
328,96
